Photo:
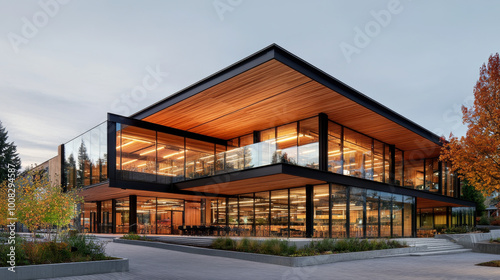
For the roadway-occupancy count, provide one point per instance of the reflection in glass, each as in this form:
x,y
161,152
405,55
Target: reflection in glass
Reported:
x,y
286,144
169,215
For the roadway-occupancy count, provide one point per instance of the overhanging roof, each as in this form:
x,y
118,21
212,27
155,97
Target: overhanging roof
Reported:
x,y
274,87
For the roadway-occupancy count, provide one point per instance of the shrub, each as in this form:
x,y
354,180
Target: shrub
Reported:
x,y
223,243
134,236
484,221
495,222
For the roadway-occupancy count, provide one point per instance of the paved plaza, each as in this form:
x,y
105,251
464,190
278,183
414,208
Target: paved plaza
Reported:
x,y
152,263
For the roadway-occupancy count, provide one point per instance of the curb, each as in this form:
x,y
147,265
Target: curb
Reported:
x,y
56,270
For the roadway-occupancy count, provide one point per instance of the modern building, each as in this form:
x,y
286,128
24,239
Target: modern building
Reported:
x,y
269,146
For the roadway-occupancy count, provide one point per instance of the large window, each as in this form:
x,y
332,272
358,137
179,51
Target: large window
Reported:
x,y
321,210
298,212
262,213
122,215
385,214
170,158
372,213
339,217
309,143
286,143
397,215
279,213
356,212
137,148
246,222
357,155
334,148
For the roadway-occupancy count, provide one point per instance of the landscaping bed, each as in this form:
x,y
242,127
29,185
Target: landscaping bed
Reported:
x,y
318,252
70,255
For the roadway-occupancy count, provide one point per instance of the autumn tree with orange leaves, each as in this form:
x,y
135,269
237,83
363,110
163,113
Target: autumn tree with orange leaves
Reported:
x,y
476,157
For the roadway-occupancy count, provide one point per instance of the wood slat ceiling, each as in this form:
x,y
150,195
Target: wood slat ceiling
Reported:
x,y
429,203
258,184
273,94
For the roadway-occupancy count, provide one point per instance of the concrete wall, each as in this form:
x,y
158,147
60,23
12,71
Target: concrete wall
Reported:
x,y
469,239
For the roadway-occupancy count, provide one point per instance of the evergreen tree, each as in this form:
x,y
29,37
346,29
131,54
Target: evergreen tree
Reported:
x,y
9,158
471,194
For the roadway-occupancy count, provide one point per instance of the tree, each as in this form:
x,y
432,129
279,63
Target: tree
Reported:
x,y
8,155
471,194
476,157
40,204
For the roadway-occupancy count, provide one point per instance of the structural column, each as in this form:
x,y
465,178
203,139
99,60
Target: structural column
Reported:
x,y
133,214
309,211
323,142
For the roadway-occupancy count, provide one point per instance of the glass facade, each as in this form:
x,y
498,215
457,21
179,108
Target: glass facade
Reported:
x,y
85,158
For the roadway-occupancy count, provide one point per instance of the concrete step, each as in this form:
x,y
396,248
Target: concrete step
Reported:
x,y
446,252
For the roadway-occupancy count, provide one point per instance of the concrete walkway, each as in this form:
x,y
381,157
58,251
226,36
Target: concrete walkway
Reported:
x,y
151,263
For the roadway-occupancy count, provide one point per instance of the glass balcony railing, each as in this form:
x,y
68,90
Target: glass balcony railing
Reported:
x,y
143,155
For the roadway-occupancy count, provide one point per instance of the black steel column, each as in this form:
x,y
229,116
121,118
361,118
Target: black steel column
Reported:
x,y
379,223
323,142
111,150
414,218
392,165
330,207
113,215
62,174
256,136
309,211
364,215
132,220
99,213
392,216
347,212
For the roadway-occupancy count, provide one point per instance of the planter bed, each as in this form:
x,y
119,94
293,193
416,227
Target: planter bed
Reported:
x,y
41,271
279,260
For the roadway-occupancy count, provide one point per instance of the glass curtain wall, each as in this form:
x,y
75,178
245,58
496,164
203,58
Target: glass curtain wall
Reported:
x,y
262,209
385,214
309,143
358,160
122,215
397,215
279,213
146,215
356,212
372,213
297,212
246,213
335,162
321,211
339,212
85,158
106,216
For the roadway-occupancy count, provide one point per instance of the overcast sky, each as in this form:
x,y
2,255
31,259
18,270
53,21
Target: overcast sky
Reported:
x,y
65,64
